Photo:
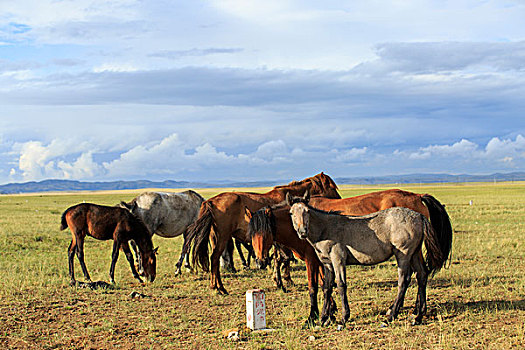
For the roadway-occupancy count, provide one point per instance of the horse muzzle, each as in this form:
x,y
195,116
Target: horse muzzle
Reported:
x,y
302,233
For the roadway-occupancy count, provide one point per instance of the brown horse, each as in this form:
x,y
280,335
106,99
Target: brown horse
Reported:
x,y
222,217
263,233
105,223
273,224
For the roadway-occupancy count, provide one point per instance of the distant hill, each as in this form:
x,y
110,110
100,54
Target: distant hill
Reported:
x,y
70,185
430,178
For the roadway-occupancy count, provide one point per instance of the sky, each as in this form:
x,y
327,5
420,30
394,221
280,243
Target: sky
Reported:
x,y
103,90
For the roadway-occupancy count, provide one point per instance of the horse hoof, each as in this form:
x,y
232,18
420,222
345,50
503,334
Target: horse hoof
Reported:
x,y
309,324
416,320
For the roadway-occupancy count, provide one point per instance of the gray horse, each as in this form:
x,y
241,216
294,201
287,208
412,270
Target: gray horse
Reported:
x,y
166,214
341,240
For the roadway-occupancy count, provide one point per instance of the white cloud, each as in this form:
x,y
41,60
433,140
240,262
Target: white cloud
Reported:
x,y
461,149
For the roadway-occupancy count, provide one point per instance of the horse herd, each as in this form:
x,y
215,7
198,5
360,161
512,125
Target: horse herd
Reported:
x,y
306,217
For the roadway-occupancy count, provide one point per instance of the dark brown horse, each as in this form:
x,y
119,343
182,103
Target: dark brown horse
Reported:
x,y
262,235
105,223
222,217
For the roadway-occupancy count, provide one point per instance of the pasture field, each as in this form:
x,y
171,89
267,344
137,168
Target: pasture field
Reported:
x,y
477,303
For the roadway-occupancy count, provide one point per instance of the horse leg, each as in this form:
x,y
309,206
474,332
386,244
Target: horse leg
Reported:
x,y
340,277
422,278
327,292
287,254
71,255
312,270
114,257
277,270
227,256
216,282
129,257
80,256
183,253
238,246
140,268
404,274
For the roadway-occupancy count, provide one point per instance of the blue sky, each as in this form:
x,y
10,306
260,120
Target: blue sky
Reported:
x,y
249,90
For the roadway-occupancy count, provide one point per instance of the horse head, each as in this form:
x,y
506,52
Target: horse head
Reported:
x,y
300,215
261,226
149,263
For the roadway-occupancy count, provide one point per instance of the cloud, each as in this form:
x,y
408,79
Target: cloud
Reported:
x,y
463,149
173,158
176,54
446,57
497,154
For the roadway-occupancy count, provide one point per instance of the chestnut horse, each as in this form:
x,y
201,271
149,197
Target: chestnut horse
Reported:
x,y
263,233
222,217
105,223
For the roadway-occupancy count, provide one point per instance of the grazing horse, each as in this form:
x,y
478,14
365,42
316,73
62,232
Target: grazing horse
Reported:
x,y
166,215
273,224
105,223
341,240
222,217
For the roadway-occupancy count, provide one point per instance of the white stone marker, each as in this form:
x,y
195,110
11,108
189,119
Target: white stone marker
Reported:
x,y
255,309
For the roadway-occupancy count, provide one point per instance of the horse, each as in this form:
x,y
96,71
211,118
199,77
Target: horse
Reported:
x,y
222,217
273,224
341,240
370,203
166,215
105,223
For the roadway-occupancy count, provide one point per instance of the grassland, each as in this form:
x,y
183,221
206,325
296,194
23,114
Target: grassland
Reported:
x,y
478,302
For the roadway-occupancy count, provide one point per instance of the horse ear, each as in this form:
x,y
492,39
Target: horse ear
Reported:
x,y
124,205
248,213
155,250
289,199
306,196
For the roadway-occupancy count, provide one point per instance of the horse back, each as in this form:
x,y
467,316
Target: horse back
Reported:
x,y
372,202
98,221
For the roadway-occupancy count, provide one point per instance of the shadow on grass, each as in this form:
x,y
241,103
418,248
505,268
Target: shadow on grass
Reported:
x,y
482,305
94,285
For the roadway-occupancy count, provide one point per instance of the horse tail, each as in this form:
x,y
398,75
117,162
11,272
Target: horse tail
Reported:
x,y
435,258
199,232
441,225
63,222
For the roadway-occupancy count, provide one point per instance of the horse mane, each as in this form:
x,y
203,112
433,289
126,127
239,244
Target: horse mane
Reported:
x,y
330,212
147,239
260,222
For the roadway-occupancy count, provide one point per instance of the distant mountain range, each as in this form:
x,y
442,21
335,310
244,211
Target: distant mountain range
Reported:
x,y
69,185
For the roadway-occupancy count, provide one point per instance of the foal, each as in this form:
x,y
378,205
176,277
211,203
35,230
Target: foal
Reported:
x,y
368,240
105,223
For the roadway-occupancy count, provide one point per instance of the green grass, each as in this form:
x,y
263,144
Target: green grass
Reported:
x,y
477,303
